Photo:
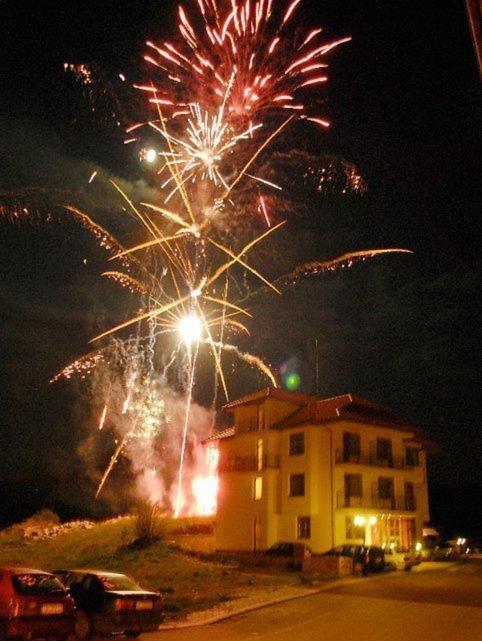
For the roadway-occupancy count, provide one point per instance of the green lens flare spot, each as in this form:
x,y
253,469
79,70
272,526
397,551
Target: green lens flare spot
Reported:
x,y
292,381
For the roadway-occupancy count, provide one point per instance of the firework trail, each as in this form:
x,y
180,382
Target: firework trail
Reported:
x,y
226,93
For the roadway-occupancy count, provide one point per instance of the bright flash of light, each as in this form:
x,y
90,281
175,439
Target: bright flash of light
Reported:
x,y
149,155
205,487
190,328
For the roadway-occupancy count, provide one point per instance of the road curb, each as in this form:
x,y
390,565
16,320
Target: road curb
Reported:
x,y
258,606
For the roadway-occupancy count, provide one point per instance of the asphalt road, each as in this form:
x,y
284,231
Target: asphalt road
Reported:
x,y
439,602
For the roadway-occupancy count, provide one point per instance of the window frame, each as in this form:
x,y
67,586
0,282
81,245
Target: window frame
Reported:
x,y
295,435
415,452
348,486
300,522
299,475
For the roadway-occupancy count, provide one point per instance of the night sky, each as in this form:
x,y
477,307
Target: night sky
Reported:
x,y
404,98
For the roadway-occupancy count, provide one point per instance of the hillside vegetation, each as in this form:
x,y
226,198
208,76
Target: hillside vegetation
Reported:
x,y
187,580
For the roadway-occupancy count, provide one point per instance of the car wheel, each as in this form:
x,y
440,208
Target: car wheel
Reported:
x,y
132,634
408,568
83,627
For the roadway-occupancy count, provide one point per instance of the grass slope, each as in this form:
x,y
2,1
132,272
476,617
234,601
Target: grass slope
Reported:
x,y
187,582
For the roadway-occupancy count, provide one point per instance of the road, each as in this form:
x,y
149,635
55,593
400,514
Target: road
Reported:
x,y
438,602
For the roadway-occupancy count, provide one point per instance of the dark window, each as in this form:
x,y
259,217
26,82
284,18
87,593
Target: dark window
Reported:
x,y
353,485
297,443
303,527
297,484
409,496
351,446
384,450
411,456
385,488
354,531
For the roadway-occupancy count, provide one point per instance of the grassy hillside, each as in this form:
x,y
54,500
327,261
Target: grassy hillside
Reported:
x,y
187,582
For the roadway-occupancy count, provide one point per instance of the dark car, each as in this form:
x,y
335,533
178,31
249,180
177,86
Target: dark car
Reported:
x,y
111,603
366,558
34,604
294,553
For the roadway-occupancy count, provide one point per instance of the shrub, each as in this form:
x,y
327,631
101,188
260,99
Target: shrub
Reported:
x,y
148,526
42,519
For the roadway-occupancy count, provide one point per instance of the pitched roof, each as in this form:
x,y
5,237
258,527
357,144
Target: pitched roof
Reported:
x,y
344,407
269,392
227,432
309,409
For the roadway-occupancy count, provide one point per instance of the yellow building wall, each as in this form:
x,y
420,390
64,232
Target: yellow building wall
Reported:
x,y
370,475
245,524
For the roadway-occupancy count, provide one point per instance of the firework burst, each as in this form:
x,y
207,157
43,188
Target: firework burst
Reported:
x,y
250,45
217,88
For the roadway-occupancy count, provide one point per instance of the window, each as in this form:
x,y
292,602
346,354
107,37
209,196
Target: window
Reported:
x,y
354,531
303,527
409,496
384,451
258,488
411,456
353,487
297,484
259,454
297,443
351,446
385,488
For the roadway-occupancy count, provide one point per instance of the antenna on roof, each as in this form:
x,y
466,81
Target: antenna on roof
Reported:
x,y
317,369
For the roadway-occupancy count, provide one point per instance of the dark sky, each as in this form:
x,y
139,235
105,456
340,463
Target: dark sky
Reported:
x,y
404,98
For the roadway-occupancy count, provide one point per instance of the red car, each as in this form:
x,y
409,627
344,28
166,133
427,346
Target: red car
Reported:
x,y
34,604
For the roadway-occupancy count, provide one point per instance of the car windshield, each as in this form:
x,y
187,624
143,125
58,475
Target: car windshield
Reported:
x,y
36,584
118,582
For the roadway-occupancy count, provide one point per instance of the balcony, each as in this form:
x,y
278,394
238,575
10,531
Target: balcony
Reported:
x,y
371,459
401,502
248,463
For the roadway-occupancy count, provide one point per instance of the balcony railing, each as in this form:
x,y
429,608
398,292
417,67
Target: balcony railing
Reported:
x,y
372,459
248,463
399,502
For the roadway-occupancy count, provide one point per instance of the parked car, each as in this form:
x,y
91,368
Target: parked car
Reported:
x,y
34,604
366,558
444,552
111,603
293,552
400,560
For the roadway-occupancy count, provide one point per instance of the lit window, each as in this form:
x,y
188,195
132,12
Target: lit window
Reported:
x,y
297,484
303,527
297,443
259,454
258,488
